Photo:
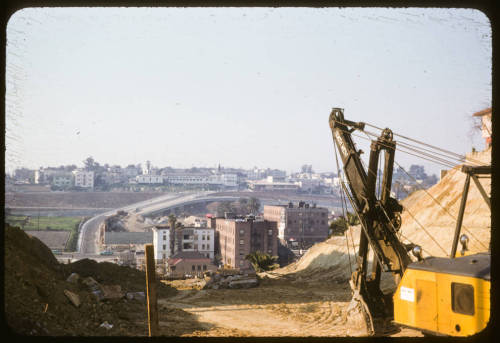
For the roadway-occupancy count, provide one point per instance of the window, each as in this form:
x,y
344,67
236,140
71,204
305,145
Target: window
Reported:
x,y
199,267
242,232
164,247
270,232
241,262
462,298
204,267
203,247
193,267
164,256
208,237
269,251
195,246
208,246
172,268
203,237
242,242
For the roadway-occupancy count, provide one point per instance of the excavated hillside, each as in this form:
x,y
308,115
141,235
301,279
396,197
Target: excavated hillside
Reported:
x,y
435,209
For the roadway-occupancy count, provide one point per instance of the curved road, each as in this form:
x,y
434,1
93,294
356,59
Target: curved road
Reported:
x,y
89,233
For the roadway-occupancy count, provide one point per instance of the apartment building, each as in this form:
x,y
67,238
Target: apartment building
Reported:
x,y
236,238
83,178
299,226
199,239
161,242
62,180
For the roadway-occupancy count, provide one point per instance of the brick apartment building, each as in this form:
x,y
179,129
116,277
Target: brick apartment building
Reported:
x,y
299,226
236,238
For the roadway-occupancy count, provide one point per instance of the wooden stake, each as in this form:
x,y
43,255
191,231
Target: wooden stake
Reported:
x,y
151,291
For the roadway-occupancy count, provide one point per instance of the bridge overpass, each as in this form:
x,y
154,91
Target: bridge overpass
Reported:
x,y
89,231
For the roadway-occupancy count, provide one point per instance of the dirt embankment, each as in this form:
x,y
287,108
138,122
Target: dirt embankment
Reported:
x,y
435,210
77,199
36,303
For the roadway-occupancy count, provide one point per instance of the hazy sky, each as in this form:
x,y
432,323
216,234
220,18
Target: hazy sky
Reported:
x,y
242,87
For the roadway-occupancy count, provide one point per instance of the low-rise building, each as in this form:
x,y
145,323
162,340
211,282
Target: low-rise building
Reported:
x,y
239,237
189,263
299,226
62,180
271,185
83,178
149,179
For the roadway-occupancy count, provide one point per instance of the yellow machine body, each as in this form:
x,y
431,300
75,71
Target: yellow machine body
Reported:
x,y
445,296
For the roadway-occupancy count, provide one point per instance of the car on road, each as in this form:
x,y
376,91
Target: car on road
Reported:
x,y
106,253
57,252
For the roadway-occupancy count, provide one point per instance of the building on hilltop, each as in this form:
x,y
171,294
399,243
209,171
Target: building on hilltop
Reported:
x,y
486,129
299,226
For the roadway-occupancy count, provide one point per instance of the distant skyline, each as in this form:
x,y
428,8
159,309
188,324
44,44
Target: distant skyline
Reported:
x,y
242,87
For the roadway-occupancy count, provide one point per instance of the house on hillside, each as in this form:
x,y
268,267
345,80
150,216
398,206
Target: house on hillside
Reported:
x,y
486,130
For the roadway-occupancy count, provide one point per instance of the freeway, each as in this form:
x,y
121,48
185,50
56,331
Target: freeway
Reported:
x,y
89,232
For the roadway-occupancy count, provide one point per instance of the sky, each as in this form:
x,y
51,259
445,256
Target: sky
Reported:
x,y
242,87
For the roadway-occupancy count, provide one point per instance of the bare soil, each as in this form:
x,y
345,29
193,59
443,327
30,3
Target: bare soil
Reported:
x,y
77,199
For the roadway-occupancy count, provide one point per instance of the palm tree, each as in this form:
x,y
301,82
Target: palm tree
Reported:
x,y
171,221
262,262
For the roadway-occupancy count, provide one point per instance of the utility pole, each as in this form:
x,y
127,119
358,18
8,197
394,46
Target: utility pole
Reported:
x,y
151,291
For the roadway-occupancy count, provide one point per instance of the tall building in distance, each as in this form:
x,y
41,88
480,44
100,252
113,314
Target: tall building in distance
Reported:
x,y
299,226
236,238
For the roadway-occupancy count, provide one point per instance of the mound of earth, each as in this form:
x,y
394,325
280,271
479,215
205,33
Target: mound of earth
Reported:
x,y
36,286
436,210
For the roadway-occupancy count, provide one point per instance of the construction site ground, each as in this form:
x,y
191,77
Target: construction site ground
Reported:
x,y
279,306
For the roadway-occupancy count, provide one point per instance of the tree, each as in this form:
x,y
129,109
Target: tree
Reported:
x,y
262,262
89,163
171,221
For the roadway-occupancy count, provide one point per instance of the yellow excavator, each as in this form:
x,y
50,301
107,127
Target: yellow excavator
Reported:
x,y
436,295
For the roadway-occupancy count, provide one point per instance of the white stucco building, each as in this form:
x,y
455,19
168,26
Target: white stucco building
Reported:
x,y
83,178
149,179
161,242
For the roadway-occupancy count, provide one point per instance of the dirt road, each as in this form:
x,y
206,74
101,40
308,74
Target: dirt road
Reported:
x,y
275,308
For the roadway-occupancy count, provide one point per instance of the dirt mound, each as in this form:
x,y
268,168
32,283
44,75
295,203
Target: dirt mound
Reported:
x,y
436,210
36,293
330,259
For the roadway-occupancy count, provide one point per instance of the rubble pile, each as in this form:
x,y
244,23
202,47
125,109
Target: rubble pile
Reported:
x,y
85,298
236,281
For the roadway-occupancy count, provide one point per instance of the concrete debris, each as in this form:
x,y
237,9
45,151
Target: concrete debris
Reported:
x,y
106,325
218,281
73,278
248,283
112,292
74,298
91,283
141,296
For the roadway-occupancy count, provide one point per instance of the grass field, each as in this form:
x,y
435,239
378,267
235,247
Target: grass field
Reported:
x,y
43,223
